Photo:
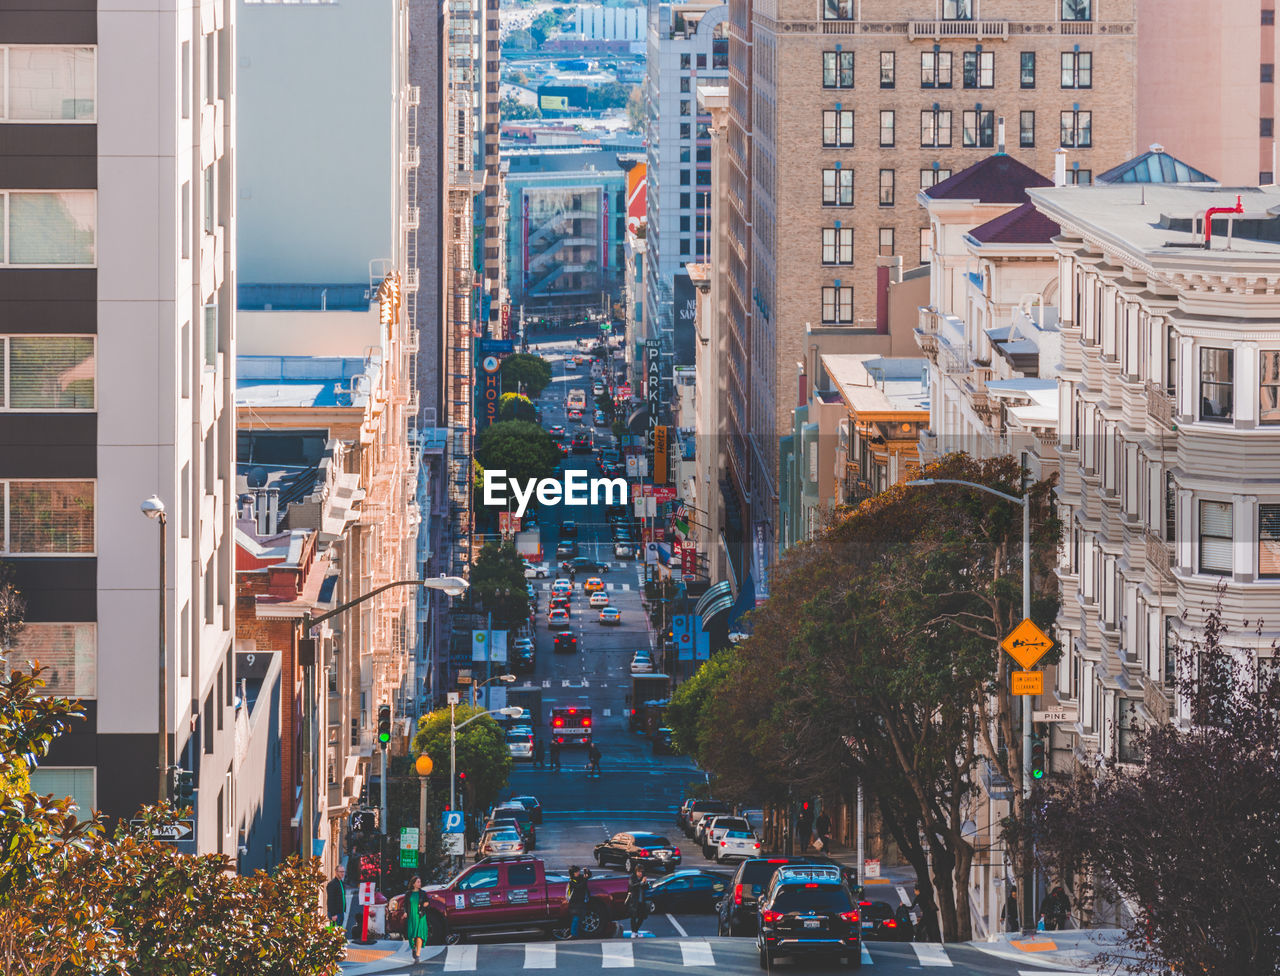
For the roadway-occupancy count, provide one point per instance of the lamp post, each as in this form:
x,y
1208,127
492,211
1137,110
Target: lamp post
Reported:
x,y
513,711
153,508
1028,895
450,585
422,766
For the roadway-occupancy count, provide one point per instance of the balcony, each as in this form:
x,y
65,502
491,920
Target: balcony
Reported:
x,y
927,331
978,30
411,279
928,445
412,157
411,218
1160,406
1160,556
1076,27
415,95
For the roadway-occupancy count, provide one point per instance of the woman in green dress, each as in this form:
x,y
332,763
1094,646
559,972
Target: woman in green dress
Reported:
x,y
415,916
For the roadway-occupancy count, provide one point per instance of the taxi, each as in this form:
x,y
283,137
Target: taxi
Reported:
x,y
593,585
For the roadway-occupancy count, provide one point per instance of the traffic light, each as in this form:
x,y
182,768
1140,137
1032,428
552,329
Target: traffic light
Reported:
x,y
1037,758
384,725
363,822
184,788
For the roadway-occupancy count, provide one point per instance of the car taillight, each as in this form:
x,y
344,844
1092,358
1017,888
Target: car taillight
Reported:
x,y
891,923
644,854
737,894
756,846
586,723
770,918
558,723
724,843
675,851
850,917
864,904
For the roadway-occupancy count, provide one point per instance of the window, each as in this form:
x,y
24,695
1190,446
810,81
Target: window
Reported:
x,y
1170,508
1217,401
1269,388
210,67
684,201
48,84
935,69
1127,729
926,244
1215,538
1268,541
979,69
837,69
75,782
684,177
837,127
684,247
837,245
684,85
957,9
685,224
684,130
210,199
47,372
684,62
185,80
1026,129
837,10
686,154
886,242
211,336
1268,18
1028,69
1266,178
46,517
886,187
68,651
933,176
837,304
1077,69
935,128
43,228
1266,127
1170,648
1268,74
684,106
886,69
886,127
979,128
1077,9
1077,129
837,188
1079,177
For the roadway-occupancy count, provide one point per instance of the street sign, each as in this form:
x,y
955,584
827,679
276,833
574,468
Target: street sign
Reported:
x,y
452,697
453,822
1028,682
871,868
1059,714
455,844
1027,644
172,832
408,838
409,859
366,893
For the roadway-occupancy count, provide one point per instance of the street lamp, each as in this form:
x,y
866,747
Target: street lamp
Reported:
x,y
505,678
1025,501
153,508
511,711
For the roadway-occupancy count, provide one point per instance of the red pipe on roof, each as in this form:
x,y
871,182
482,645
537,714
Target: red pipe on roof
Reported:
x,y
1208,218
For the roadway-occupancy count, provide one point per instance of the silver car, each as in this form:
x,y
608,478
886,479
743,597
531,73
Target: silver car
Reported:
x,y
500,842
520,745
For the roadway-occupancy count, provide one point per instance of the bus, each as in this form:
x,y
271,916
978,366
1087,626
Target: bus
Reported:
x,y
577,399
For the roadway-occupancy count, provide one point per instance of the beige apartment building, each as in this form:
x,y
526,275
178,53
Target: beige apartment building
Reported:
x,y
849,108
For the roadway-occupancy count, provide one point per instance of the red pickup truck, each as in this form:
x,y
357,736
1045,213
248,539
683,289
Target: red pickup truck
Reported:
x,y
512,893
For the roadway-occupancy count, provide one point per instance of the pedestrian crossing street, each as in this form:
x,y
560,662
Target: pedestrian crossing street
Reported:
x,y
650,953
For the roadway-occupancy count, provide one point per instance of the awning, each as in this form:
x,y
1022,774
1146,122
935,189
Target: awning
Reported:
x,y
717,599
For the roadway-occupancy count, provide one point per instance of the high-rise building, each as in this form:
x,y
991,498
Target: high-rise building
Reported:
x,y
840,113
495,308
117,355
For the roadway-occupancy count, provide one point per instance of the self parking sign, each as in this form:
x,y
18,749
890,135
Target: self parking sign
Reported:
x,y
452,822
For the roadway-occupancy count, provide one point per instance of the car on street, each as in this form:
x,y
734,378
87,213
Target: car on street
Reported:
x,y
479,901
738,910
582,442
610,457
562,587
559,603
594,584
531,804
569,529
715,827
559,619
663,743
688,891
629,848
598,599
623,550
611,616
557,432
583,564
534,572
566,547
565,644
575,414
520,746
882,923
511,810
599,419
499,842
597,388
563,448
641,663
808,911
735,844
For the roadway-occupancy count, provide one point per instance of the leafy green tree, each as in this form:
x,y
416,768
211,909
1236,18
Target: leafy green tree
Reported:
x,y
481,752
498,583
515,109
13,609
516,406
604,402
610,95
525,373
688,712
522,449
637,114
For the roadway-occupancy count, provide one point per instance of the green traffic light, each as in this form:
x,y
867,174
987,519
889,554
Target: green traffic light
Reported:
x,y
1037,774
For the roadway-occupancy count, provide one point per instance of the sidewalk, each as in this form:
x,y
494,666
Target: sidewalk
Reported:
x,y
381,956
1070,949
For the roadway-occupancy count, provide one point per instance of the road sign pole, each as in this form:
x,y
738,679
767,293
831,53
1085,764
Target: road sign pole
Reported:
x,y
1028,703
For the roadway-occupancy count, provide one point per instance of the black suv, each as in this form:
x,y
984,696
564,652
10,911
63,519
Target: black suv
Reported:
x,y
808,910
737,910
583,564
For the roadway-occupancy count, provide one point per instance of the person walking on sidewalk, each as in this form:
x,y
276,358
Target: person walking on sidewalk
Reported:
x,y
824,831
578,895
336,896
416,930
1009,915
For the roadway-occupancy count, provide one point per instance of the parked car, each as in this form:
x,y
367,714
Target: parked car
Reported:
x,y
808,912
628,849
735,844
881,922
611,616
499,842
510,810
569,529
688,891
715,827
699,809
534,572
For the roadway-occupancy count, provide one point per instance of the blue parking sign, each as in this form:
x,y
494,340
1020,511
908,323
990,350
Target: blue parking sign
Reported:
x,y
453,822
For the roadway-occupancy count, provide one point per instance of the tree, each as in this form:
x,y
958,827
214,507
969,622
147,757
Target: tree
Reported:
x,y
516,406
637,113
497,581
605,404
1188,836
13,610
525,373
876,657
514,109
606,96
523,450
481,752
687,713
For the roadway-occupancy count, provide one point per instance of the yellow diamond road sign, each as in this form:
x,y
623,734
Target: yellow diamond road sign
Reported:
x,y
1027,644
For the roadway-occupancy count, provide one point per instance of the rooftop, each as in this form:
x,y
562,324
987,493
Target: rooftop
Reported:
x,y
305,297
997,179
1021,225
1154,166
304,381
874,384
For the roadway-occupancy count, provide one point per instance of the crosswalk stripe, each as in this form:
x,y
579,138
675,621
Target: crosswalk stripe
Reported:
x,y
617,955
540,955
930,954
866,956
697,954
460,958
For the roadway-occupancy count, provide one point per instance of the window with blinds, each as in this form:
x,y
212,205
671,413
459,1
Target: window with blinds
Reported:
x,y
47,372
1215,538
47,517
1217,377
1269,541
68,652
76,782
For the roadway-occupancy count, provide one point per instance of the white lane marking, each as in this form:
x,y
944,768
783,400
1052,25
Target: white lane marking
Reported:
x,y
460,957
866,956
930,954
677,926
616,955
540,955
697,954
